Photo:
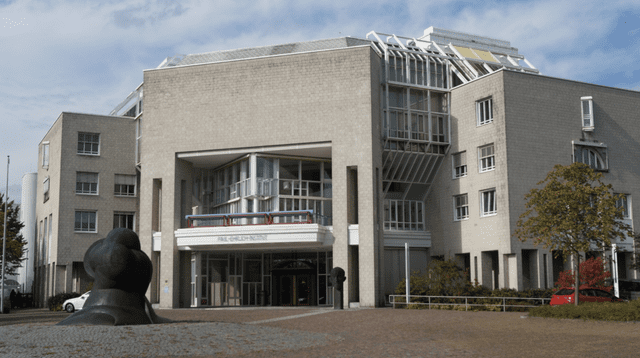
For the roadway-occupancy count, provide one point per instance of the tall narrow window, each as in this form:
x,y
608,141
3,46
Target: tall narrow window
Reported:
x,y
461,203
89,143
45,155
484,111
460,165
587,113
125,185
49,237
488,202
85,221
438,129
486,156
86,183
45,189
622,202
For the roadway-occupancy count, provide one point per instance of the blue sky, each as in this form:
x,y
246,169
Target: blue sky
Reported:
x,y
87,56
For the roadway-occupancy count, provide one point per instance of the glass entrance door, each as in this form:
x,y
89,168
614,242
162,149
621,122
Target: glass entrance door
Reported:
x,y
296,289
304,290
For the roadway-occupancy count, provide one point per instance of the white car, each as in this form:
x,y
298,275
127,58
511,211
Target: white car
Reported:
x,y
75,304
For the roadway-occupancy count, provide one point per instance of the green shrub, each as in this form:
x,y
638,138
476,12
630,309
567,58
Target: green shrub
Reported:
x,y
55,302
445,278
603,311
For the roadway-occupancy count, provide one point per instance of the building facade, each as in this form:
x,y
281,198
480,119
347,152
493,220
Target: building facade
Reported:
x,y
87,185
511,128
261,169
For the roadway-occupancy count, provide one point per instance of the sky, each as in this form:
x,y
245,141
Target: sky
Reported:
x,y
87,56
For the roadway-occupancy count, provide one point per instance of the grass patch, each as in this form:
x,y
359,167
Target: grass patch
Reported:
x,y
603,311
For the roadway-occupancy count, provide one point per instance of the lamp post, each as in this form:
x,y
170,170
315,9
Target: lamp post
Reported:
x,y
4,236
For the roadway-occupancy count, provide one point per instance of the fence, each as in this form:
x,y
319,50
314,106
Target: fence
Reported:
x,y
504,305
260,218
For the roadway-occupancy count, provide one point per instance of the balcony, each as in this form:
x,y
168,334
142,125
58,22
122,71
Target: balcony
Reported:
x,y
283,229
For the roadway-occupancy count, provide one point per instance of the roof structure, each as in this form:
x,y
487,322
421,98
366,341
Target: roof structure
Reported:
x,y
262,51
468,56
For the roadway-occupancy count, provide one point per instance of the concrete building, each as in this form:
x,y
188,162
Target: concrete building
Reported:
x,y
534,122
263,168
87,184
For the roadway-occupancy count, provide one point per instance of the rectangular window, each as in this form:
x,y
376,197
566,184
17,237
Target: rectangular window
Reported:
x,y
89,143
488,202
125,185
86,183
486,156
124,220
587,113
438,129
86,221
461,203
403,215
484,111
459,165
45,189
45,155
594,156
623,203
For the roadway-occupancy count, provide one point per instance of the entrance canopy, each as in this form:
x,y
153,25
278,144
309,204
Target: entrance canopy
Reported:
x,y
252,237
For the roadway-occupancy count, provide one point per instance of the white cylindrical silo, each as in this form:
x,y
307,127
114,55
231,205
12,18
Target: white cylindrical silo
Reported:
x,y
28,218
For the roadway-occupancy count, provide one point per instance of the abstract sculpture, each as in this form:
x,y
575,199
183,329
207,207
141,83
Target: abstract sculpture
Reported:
x,y
121,273
337,280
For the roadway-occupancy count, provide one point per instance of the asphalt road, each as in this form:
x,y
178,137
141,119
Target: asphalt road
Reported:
x,y
31,315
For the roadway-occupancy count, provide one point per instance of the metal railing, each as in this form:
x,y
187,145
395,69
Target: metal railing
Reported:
x,y
504,305
260,218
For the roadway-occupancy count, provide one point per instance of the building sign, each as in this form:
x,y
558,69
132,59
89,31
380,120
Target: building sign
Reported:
x,y
240,238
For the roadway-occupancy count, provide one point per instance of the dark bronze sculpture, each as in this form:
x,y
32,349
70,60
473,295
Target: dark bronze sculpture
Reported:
x,y
122,273
337,280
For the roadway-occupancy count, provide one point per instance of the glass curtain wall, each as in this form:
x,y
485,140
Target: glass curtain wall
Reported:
x,y
241,279
274,184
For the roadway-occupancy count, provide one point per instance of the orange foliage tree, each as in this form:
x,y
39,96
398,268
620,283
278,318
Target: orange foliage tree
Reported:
x,y
592,274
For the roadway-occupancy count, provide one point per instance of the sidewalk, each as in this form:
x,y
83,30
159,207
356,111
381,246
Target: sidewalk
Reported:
x,y
324,332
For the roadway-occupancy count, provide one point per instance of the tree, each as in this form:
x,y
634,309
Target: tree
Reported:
x,y
574,212
15,241
592,274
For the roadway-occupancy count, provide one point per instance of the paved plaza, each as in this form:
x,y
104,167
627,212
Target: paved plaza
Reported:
x,y
319,332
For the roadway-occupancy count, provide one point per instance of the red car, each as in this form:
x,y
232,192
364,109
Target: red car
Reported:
x,y
566,295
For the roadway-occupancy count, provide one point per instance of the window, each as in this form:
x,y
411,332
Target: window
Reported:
x,y
594,156
45,155
459,165
85,221
484,111
403,215
461,203
125,185
48,237
622,202
587,113
89,143
487,158
488,200
86,183
438,129
124,220
45,189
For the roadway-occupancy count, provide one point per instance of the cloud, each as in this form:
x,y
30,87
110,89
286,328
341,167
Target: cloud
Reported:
x,y
149,13
86,57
